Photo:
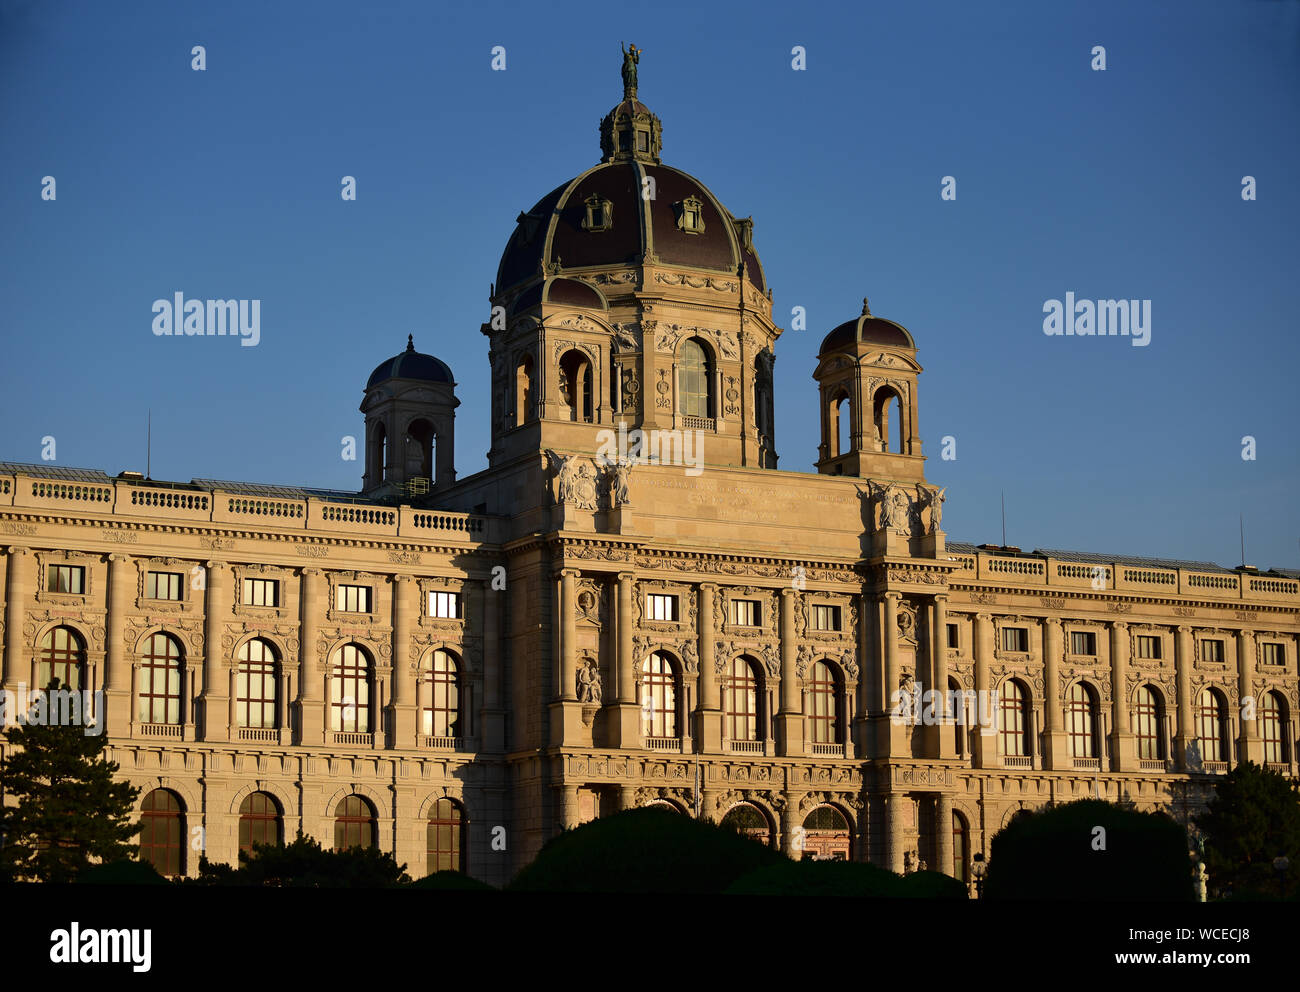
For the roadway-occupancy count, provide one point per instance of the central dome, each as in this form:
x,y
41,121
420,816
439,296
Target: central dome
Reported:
x,y
629,209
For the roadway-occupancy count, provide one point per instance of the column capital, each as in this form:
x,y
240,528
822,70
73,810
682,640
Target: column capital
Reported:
x,y
709,586
1184,628
18,550
403,578
627,576
215,564
1119,625
568,573
984,617
313,571
896,596
941,597
117,556
1054,621
788,592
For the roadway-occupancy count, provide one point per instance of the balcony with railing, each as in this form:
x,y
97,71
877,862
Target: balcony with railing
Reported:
x,y
346,739
171,731
438,743
673,744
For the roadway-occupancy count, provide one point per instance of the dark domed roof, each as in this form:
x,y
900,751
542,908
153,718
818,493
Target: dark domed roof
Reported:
x,y
867,330
411,364
601,218
560,290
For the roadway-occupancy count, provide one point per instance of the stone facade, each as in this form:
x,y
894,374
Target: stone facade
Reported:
x,y
699,628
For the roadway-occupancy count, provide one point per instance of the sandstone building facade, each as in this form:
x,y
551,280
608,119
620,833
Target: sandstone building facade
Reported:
x,y
456,669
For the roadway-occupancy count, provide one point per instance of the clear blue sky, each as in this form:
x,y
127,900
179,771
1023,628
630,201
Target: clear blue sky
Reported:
x,y
1122,183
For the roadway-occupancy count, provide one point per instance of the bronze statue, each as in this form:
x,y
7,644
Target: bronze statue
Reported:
x,y
631,57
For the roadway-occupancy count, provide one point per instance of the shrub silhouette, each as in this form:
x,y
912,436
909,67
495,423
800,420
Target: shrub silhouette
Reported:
x,y
819,878
1049,854
645,850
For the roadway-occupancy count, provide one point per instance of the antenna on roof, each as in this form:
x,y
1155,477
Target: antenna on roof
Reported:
x,y
1004,518
1241,526
148,448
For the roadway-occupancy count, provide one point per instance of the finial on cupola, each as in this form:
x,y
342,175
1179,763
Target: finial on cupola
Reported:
x,y
866,309
410,342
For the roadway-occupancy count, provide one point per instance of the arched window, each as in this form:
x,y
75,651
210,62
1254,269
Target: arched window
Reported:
x,y
350,690
826,835
1013,733
1148,717
887,408
824,705
1273,728
695,380
1211,726
259,822
164,828
378,452
354,823
960,848
63,657
658,697
160,681
840,417
1081,721
763,395
575,385
742,690
255,686
446,837
442,695
749,820
524,391
418,456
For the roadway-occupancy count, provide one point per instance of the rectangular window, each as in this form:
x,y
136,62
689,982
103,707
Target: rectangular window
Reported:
x,y
659,607
745,613
1083,642
444,605
1212,650
826,617
1272,653
261,592
1148,646
352,599
66,578
953,637
1015,639
162,585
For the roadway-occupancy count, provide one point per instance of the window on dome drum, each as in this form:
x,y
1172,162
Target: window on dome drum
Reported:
x,y
1149,724
1013,730
1083,642
441,716
658,697
354,823
350,691
1212,650
444,605
1148,646
887,407
823,690
261,592
741,690
159,680
1271,653
1015,639
162,585
1081,721
825,617
255,686
62,656
839,425
575,386
695,380
445,841
418,445
660,607
259,822
523,391
954,637
1273,726
1211,726
600,213
164,827
352,599
66,578
745,613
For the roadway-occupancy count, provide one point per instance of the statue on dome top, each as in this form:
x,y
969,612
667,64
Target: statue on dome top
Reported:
x,y
631,57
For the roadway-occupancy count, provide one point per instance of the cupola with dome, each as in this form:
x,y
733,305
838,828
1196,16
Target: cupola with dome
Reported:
x,y
410,407
630,294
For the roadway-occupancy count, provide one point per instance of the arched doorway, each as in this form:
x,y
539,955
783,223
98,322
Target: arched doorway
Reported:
x,y
749,821
827,836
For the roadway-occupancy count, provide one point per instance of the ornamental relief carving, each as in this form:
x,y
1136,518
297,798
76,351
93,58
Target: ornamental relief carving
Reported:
x,y
88,623
696,282
285,639
1097,677
1226,686
184,630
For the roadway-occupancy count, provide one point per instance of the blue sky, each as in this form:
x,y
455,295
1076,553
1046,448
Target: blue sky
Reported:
x,y
1124,183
